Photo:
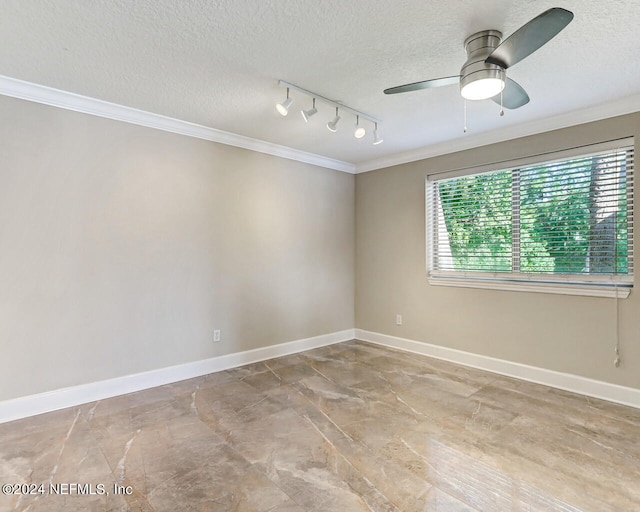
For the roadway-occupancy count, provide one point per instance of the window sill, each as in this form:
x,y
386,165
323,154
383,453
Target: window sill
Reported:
x,y
588,290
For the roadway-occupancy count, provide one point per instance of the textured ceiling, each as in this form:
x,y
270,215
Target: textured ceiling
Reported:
x,y
217,62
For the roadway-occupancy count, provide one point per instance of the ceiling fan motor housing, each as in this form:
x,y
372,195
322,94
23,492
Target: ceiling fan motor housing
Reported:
x,y
478,47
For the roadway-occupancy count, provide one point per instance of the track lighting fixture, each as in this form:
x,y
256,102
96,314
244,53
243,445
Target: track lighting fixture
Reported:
x,y
283,107
306,114
359,131
376,137
332,124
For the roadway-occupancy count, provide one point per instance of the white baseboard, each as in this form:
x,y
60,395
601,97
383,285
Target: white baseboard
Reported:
x,y
68,397
574,383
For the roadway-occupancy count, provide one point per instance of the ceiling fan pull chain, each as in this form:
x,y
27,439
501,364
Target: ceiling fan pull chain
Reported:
x,y
465,116
501,107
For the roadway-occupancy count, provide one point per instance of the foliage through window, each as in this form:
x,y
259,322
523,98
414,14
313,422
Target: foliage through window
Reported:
x,y
558,219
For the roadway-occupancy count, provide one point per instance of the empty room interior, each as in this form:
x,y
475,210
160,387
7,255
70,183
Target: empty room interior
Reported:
x,y
307,256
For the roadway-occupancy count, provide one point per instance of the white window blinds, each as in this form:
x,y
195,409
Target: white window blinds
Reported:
x,y
567,218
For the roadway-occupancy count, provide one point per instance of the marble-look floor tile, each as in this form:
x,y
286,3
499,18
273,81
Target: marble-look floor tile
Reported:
x,y
349,427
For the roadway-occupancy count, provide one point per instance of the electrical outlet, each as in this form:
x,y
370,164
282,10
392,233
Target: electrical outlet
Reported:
x,y
216,335
398,319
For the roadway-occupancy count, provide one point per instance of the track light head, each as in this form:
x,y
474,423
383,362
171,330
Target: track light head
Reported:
x,y
376,137
306,114
332,126
359,131
283,108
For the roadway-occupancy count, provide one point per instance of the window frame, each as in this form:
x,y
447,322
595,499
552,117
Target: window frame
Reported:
x,y
618,286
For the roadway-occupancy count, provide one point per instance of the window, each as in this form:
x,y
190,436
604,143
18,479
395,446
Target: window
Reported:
x,y
564,224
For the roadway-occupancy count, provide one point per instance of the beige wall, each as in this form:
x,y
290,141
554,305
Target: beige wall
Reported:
x,y
558,332
122,248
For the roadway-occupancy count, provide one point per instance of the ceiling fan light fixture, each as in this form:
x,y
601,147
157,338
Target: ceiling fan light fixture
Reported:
x,y
306,114
283,108
482,88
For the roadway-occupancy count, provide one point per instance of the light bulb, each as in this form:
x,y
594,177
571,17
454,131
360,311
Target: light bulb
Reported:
x,y
332,126
376,138
283,107
359,131
482,89
306,114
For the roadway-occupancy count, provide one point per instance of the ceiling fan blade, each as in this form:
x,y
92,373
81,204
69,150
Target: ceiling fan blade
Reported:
x,y
531,36
427,84
513,95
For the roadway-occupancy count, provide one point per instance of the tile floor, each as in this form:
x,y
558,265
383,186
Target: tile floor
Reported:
x,y
350,427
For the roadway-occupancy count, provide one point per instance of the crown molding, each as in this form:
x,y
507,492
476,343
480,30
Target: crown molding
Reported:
x,y
620,107
70,101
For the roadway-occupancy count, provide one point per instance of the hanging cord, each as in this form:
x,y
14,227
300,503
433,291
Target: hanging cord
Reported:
x,y
465,116
616,361
501,105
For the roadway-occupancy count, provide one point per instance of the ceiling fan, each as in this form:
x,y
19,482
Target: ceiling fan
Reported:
x,y
484,74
